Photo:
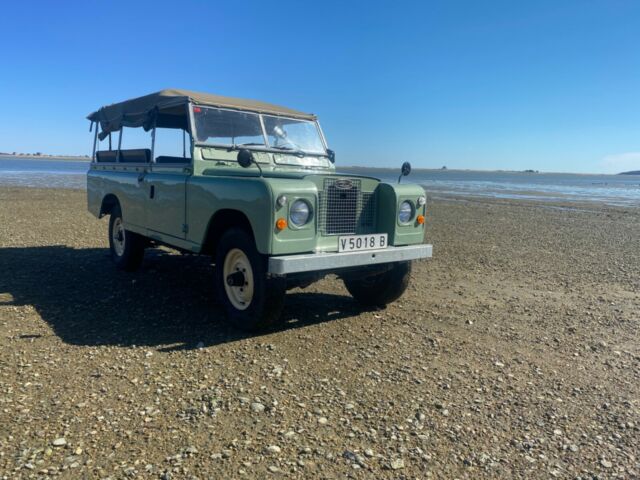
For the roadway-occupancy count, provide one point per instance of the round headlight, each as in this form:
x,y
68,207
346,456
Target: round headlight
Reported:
x,y
299,213
421,200
406,212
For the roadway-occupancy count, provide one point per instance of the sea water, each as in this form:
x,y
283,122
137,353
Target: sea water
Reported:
x,y
620,190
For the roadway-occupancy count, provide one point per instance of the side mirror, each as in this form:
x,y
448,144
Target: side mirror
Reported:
x,y
332,155
245,158
405,170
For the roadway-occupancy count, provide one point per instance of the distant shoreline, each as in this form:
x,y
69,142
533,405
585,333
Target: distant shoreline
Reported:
x,y
436,169
25,156
80,158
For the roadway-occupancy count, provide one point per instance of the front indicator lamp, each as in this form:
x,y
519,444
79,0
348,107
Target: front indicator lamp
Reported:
x,y
406,212
281,224
420,219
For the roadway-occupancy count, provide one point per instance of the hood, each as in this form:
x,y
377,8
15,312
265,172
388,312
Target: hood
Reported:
x,y
280,173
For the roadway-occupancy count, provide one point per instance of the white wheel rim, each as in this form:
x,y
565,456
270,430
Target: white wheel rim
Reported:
x,y
239,296
118,237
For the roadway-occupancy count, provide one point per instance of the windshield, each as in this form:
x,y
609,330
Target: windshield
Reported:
x,y
290,134
227,127
298,142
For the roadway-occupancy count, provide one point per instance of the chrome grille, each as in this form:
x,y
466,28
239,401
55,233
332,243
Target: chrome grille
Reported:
x,y
344,208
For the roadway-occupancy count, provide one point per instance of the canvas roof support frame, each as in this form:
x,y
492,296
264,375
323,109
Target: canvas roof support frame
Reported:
x,y
184,125
148,110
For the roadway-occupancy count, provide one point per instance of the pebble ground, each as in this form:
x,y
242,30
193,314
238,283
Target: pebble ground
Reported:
x,y
515,353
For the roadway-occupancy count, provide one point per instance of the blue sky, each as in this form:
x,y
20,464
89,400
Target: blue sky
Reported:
x,y
548,85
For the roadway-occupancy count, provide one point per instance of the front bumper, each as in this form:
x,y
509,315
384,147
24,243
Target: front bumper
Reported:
x,y
312,262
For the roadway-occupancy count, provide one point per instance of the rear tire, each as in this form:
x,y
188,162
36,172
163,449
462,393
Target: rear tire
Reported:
x,y
382,289
127,248
251,300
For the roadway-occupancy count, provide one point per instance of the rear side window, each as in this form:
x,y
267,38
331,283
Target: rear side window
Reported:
x,y
135,138
135,147
172,142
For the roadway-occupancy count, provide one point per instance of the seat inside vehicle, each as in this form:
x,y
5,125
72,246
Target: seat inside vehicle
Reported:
x,y
106,156
168,159
139,155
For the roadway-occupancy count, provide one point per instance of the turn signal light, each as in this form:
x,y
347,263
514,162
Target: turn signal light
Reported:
x,y
420,219
281,224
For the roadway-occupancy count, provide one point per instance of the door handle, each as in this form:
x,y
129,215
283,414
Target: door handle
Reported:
x,y
152,191
140,178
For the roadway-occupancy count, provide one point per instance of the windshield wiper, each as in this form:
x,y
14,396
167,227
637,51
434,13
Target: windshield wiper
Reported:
x,y
295,151
238,146
266,148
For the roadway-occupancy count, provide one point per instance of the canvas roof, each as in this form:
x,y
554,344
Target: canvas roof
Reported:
x,y
166,109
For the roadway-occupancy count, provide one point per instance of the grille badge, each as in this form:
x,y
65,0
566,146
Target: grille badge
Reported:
x,y
343,184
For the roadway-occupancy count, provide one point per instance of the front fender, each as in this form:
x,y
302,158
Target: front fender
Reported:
x,y
293,239
390,196
251,196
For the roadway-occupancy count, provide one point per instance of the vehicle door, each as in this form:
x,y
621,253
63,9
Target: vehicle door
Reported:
x,y
165,183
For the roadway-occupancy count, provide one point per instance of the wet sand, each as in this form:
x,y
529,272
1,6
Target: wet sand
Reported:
x,y
514,354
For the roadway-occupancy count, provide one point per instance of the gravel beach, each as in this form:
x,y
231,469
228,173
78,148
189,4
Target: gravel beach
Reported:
x,y
515,353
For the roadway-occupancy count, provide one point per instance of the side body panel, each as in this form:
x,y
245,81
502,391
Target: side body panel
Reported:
x,y
192,200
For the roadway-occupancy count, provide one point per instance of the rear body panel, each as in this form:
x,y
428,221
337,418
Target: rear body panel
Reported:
x,y
122,182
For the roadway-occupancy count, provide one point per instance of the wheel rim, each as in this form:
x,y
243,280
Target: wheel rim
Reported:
x,y
237,266
118,237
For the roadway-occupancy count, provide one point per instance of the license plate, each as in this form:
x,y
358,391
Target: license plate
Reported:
x,y
354,243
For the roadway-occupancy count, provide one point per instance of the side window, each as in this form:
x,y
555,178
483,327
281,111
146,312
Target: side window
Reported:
x,y
110,142
135,139
173,145
135,146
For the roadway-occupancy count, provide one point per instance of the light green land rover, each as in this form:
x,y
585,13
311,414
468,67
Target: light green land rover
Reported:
x,y
253,185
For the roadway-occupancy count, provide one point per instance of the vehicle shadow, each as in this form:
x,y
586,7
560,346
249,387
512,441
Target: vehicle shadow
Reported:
x,y
169,303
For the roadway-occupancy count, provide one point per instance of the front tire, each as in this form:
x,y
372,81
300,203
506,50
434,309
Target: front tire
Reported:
x,y
127,248
381,289
251,300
